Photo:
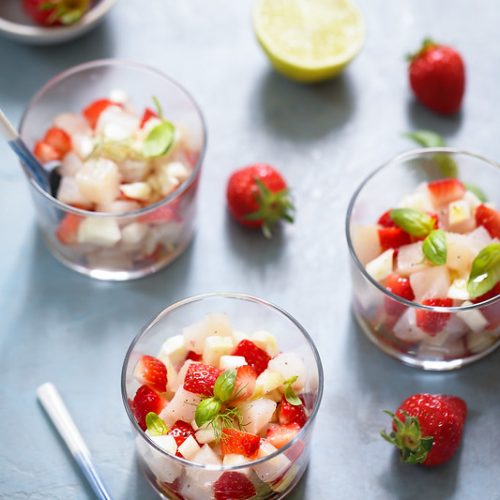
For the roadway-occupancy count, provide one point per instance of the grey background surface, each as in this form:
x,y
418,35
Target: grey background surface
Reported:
x,y
56,325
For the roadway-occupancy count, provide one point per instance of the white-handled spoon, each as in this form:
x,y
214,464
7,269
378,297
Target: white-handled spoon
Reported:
x,y
53,404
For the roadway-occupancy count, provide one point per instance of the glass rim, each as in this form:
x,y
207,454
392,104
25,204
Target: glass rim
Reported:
x,y
236,296
413,153
124,63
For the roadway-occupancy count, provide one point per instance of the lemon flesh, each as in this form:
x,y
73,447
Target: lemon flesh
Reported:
x,y
309,40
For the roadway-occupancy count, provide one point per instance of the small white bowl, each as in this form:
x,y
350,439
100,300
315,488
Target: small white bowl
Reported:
x,y
16,24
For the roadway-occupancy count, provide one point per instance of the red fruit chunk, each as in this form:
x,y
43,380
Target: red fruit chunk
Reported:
x,y
393,237
152,372
280,435
239,443
148,113
488,295
490,219
94,110
164,213
244,385
233,486
256,357
200,379
289,414
194,356
433,322
385,220
401,287
45,153
146,400
59,140
67,230
492,311
444,191
56,12
180,431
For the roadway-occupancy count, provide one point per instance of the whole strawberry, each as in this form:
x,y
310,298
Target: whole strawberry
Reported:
x,y
258,197
56,12
437,77
427,428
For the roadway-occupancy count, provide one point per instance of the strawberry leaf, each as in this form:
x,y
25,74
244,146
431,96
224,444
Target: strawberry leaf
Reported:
x,y
434,247
485,272
155,424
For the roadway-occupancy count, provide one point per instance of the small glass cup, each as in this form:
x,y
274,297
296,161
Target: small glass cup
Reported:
x,y
274,475
136,243
471,332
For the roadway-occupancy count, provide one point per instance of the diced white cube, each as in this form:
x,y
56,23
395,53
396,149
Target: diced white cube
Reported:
x,y
238,336
205,456
70,165
163,467
182,372
460,253
380,267
406,328
181,407
134,170
257,414
420,200
72,123
267,381
479,341
231,362
165,442
458,290
118,206
189,448
174,349
266,341
134,233
458,211
83,145
271,469
366,242
103,231
472,199
285,481
99,180
410,259
430,283
172,385
137,190
474,319
69,193
215,324
119,96
290,364
178,170
215,347
205,434
116,125
479,238
233,460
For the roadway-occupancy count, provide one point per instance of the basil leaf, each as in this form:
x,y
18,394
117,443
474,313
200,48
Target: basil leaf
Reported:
x,y
446,164
485,272
412,221
156,426
207,410
435,248
224,385
477,191
426,138
158,107
290,395
159,140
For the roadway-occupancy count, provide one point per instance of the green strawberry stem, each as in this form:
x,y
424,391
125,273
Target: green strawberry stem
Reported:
x,y
426,44
408,439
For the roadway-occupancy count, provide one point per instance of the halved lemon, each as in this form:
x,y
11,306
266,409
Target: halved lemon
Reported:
x,y
309,40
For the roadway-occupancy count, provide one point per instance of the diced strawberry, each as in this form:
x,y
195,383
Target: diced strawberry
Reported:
x,y
94,110
433,322
289,414
180,431
444,191
294,452
393,237
45,152
385,220
280,435
152,372
491,312
67,230
146,400
165,213
244,385
59,140
193,356
488,295
200,379
401,287
490,219
256,357
239,443
233,486
148,113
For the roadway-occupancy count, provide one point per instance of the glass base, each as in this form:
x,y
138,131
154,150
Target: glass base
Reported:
x,y
423,364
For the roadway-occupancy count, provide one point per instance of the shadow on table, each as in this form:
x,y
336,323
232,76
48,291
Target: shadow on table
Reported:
x,y
301,112
422,118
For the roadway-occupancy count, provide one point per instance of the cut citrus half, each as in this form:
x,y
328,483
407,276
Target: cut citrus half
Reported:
x,y
309,40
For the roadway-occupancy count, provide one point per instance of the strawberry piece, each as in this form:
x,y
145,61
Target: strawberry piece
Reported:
x,y
200,379
444,191
256,357
437,77
280,435
180,431
289,414
488,295
432,322
59,140
239,443
146,400
67,230
148,114
94,110
233,486
56,12
490,219
194,356
432,428
152,372
244,384
45,153
385,220
492,311
401,287
393,237
165,213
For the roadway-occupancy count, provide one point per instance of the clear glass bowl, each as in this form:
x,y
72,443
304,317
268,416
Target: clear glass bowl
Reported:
x,y
166,226
274,475
377,310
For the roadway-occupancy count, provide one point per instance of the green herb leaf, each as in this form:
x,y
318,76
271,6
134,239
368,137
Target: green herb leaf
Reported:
x,y
290,395
224,385
156,426
435,248
158,107
485,272
159,140
477,191
446,164
426,138
207,410
413,221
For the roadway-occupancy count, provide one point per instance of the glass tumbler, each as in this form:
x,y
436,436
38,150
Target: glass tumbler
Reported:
x,y
273,475
470,332
132,244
